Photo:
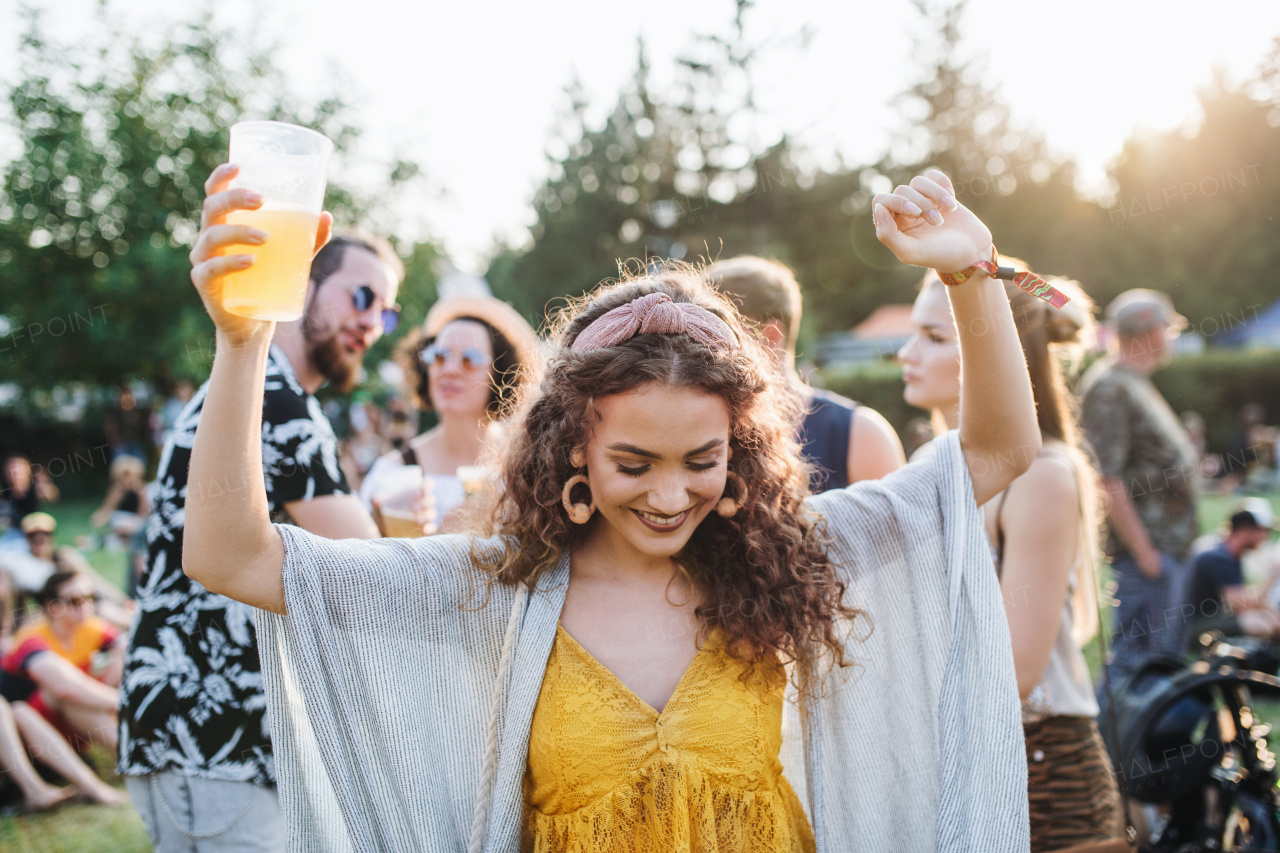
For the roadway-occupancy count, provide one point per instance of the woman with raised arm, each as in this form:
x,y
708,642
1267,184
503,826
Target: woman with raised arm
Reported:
x,y
606,672
1043,530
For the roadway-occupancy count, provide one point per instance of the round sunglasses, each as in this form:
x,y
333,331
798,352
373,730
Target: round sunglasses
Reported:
x,y
438,355
80,600
363,298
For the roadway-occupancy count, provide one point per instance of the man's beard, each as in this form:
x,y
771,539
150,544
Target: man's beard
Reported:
x,y
332,361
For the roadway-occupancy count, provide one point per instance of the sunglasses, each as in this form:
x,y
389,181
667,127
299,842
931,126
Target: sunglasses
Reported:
x,y
80,600
438,355
363,298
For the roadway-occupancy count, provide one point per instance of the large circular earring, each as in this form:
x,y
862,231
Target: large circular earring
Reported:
x,y
728,506
578,513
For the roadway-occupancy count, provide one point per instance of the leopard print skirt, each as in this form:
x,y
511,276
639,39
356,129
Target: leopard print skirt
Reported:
x,y
1072,789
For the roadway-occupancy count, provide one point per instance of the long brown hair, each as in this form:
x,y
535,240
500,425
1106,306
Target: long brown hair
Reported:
x,y
764,574
1051,337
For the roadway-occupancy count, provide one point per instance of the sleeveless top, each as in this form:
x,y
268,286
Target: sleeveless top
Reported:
x,y
824,439
130,502
1066,688
448,489
607,772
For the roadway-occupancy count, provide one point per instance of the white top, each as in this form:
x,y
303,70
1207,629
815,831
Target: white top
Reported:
x,y
1066,688
380,685
448,489
27,571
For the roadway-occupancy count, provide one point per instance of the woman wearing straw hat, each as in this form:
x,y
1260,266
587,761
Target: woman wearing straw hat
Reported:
x,y
466,364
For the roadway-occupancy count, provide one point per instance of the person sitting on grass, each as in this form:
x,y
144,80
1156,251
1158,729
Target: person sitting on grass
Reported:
x,y
37,794
1221,600
23,488
44,557
124,513
126,505
67,663
19,722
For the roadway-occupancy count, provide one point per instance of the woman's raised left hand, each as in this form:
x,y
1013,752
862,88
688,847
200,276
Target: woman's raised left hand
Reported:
x,y
925,226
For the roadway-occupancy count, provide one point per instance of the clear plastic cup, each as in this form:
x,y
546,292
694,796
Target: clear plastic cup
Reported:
x,y
396,505
287,165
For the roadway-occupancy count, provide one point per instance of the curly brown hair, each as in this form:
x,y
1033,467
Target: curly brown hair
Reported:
x,y
764,573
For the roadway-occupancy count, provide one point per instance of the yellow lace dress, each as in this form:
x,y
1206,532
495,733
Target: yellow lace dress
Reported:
x,y
609,774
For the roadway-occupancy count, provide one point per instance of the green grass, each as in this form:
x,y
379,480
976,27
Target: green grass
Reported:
x,y
73,523
77,827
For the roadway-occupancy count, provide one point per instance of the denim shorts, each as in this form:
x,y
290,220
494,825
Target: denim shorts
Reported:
x,y
190,814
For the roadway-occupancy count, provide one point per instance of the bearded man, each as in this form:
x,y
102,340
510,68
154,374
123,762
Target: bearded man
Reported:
x,y
195,747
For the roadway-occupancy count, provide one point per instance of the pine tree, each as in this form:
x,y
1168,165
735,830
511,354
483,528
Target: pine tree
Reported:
x,y
664,177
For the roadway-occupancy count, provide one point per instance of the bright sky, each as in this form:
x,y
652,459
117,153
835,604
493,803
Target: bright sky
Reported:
x,y
471,90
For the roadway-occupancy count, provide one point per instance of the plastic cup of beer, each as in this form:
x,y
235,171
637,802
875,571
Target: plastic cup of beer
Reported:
x,y
396,503
286,165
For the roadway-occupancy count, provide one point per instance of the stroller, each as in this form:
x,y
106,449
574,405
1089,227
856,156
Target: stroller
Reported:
x,y
1184,740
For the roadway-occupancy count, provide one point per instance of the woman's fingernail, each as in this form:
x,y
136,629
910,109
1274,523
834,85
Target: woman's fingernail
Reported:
x,y
950,203
934,217
253,198
912,208
258,236
877,215
244,260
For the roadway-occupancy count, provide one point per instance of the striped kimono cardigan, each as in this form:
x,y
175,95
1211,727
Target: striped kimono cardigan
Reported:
x,y
396,729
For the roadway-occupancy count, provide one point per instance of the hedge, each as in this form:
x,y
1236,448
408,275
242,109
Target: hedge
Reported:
x,y
1215,383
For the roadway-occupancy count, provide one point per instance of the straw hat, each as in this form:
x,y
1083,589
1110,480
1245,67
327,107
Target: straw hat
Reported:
x,y
38,522
126,464
493,311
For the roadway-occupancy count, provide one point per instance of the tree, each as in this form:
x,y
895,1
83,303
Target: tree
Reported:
x,y
1002,170
1194,211
665,176
97,215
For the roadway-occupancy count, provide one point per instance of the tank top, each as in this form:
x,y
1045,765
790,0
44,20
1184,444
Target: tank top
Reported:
x,y
824,439
1066,688
607,772
449,490
129,503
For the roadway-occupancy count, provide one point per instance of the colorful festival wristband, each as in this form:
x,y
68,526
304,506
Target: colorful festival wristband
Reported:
x,y
1028,281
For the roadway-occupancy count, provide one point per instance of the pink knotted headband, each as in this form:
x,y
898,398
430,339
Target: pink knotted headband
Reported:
x,y
656,314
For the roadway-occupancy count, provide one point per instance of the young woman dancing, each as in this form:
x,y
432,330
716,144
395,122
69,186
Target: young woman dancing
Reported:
x,y
1043,529
607,671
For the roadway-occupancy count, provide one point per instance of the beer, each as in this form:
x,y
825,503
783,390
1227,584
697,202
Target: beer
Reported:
x,y
275,287
400,524
286,165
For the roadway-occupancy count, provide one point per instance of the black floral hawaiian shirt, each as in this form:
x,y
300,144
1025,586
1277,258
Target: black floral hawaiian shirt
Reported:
x,y
191,699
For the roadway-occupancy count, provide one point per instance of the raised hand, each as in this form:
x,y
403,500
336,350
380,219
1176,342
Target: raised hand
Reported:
x,y
925,226
210,263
